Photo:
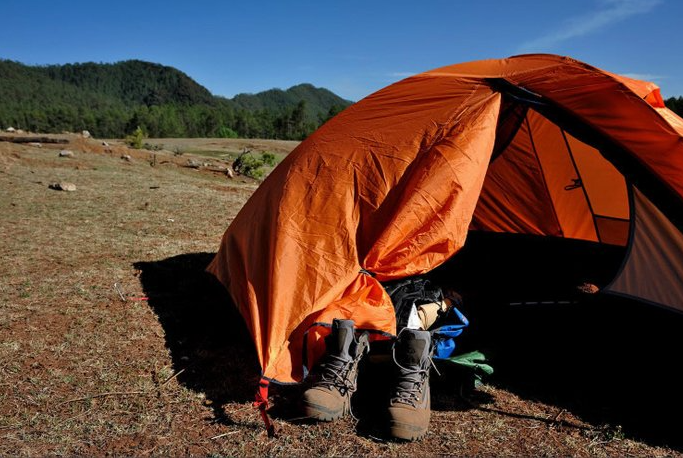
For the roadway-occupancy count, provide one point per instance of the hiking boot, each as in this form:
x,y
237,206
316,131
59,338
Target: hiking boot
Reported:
x,y
334,379
409,407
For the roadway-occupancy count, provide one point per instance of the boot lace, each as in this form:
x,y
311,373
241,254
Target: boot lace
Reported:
x,y
334,372
410,383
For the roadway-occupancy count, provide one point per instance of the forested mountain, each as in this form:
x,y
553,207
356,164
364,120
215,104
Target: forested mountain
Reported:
x,y
317,99
111,100
132,81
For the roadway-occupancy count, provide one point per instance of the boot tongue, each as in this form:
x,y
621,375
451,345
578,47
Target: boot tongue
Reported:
x,y
412,347
340,340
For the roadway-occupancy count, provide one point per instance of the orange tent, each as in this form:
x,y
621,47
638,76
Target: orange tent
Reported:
x,y
534,144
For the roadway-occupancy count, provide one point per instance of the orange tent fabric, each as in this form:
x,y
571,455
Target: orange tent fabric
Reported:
x,y
390,187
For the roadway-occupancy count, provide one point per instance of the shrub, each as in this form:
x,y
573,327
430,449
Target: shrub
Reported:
x,y
252,166
248,165
268,159
134,140
226,132
151,147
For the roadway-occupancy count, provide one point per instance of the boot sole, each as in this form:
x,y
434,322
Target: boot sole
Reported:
x,y
406,432
320,413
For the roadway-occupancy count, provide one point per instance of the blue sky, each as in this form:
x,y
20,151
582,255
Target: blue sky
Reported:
x,y
351,47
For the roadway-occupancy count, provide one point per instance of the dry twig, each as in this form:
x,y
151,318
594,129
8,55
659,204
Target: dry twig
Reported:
x,y
223,435
101,395
172,377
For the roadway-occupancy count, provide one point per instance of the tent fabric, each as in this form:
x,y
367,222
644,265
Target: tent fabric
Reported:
x,y
389,189
653,269
544,164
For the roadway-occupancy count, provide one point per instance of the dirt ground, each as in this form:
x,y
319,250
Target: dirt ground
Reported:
x,y
114,341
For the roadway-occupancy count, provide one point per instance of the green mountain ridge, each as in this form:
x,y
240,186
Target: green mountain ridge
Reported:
x,y
111,100
283,98
133,81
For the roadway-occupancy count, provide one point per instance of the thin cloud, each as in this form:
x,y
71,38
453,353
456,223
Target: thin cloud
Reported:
x,y
645,76
401,74
611,11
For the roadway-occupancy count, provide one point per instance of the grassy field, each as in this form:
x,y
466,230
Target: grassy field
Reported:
x,y
223,148
115,341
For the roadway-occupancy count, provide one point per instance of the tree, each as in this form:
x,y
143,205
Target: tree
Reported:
x,y
675,104
134,140
332,112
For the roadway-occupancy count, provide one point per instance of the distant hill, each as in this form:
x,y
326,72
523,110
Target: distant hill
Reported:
x,y
110,100
132,81
318,100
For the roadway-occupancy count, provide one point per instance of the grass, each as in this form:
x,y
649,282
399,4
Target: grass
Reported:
x,y
171,370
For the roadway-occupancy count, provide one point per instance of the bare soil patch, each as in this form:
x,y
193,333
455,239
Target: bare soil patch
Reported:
x,y
162,364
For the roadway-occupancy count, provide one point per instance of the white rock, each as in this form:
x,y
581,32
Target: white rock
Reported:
x,y
126,157
63,186
66,153
11,129
85,134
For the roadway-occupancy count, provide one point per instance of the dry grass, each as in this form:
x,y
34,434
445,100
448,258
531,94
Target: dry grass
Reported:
x,y
221,148
170,370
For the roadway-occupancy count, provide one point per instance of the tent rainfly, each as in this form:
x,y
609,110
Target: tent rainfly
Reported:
x,y
534,144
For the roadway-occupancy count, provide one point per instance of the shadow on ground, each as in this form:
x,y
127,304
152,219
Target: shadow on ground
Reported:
x,y
205,333
609,360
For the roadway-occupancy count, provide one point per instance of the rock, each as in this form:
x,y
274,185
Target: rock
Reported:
x,y
588,288
126,157
230,173
85,134
194,164
35,144
11,129
63,186
66,153
105,144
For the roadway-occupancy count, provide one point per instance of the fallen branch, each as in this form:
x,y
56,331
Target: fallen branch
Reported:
x,y
6,138
122,393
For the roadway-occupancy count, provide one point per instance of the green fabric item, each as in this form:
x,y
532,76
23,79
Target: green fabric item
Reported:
x,y
474,361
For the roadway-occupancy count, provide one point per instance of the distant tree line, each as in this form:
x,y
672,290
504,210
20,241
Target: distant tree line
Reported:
x,y
112,100
675,104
